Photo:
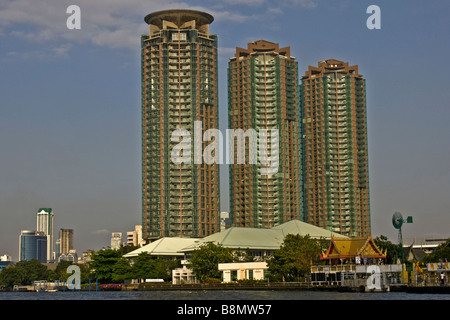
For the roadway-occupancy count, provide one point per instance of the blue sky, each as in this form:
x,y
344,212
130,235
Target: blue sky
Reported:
x,y
70,104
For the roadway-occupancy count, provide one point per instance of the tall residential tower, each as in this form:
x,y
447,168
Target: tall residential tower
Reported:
x,y
335,159
179,91
263,94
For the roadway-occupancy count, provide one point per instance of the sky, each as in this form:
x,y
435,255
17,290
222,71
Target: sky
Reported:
x,y
70,105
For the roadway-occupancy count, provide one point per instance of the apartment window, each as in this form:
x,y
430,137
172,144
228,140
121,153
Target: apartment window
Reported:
x,y
179,36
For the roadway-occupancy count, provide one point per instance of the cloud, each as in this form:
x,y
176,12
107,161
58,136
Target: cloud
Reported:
x,y
56,51
109,23
62,50
106,23
245,2
101,232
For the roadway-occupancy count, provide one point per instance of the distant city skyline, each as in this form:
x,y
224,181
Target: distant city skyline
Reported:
x,y
70,113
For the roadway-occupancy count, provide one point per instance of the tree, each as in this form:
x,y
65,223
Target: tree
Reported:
x,y
61,270
162,268
147,267
127,248
121,271
143,266
25,272
205,260
103,263
11,276
440,254
294,258
393,250
243,256
34,270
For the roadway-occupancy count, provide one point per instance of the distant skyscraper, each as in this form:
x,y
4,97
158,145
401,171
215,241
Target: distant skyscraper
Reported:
x,y
116,240
32,245
335,160
263,94
179,90
44,222
66,240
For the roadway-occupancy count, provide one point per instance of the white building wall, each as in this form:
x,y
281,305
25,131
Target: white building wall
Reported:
x,y
243,270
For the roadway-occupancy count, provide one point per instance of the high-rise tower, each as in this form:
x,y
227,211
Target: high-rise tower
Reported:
x,y
263,94
179,91
44,223
33,245
66,240
335,158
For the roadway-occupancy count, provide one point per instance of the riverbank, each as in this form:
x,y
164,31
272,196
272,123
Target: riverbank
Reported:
x,y
282,286
274,286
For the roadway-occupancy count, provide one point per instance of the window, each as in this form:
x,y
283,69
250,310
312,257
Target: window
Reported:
x,y
182,36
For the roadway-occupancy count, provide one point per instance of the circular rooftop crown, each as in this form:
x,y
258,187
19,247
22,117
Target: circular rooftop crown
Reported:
x,y
178,17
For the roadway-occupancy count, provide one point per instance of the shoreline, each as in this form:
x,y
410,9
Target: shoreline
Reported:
x,y
297,286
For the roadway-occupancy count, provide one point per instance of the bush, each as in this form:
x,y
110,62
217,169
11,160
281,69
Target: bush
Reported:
x,y
111,287
212,280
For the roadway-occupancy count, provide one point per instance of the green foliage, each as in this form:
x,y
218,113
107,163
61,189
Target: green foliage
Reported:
x,y
34,270
147,267
102,264
126,249
11,276
393,250
163,268
62,275
294,258
205,260
24,273
440,254
108,266
121,271
142,266
243,256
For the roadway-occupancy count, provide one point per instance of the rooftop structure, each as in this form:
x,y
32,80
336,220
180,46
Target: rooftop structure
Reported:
x,y
164,247
359,248
261,241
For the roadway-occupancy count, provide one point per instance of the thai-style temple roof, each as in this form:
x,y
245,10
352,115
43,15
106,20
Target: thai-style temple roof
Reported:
x,y
347,248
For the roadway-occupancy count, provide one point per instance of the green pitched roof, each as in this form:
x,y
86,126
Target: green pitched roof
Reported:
x,y
264,239
303,229
235,238
163,247
48,210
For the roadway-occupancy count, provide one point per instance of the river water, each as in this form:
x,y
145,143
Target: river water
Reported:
x,y
237,295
